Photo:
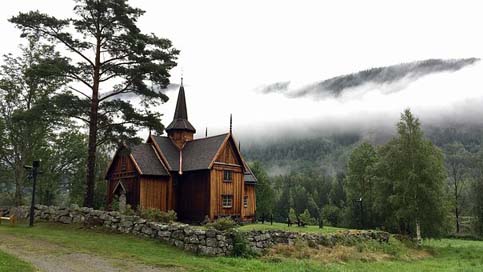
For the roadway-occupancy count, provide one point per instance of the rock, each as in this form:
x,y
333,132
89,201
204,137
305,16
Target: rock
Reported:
x,y
178,243
178,234
211,242
65,219
207,251
211,233
146,230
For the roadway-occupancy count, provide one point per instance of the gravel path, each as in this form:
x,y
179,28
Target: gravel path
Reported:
x,y
50,257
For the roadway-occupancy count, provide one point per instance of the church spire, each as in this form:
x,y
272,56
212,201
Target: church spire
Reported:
x,y
180,128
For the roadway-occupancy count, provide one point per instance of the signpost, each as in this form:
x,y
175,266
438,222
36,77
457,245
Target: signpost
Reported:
x,y
34,171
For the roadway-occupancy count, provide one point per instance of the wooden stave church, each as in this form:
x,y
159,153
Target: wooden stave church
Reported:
x,y
194,177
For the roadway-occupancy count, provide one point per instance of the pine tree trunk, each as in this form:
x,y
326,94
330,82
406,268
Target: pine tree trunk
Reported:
x,y
91,160
92,145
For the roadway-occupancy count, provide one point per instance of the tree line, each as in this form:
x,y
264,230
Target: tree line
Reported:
x,y
407,185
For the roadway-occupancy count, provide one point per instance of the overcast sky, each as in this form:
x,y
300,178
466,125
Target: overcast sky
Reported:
x,y
231,49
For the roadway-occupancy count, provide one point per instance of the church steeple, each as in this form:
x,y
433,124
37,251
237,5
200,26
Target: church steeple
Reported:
x,y
180,129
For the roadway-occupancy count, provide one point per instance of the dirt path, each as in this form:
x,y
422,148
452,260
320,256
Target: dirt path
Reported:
x,y
50,257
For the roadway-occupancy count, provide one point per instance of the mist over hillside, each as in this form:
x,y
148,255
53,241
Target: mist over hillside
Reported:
x,y
334,87
330,153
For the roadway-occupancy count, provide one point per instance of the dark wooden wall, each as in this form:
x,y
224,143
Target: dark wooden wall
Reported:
x,y
192,195
124,170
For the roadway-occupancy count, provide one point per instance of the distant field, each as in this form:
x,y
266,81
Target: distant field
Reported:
x,y
284,227
45,241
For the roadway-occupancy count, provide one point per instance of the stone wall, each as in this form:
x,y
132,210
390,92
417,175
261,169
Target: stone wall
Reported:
x,y
202,241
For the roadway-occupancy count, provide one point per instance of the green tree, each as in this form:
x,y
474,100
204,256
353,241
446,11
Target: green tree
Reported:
x,y
361,177
27,119
292,216
457,161
412,180
477,193
105,50
306,218
264,192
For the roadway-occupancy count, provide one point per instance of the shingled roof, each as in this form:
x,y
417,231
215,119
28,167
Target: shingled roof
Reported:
x,y
197,154
169,151
145,157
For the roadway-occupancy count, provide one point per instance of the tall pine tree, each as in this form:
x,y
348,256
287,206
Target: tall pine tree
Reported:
x,y
106,56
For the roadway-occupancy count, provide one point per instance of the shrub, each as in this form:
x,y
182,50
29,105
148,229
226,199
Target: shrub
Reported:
x,y
159,216
241,247
292,216
306,218
129,210
222,223
332,214
115,203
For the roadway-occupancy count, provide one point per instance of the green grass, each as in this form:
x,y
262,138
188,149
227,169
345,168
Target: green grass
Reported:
x,y
294,228
9,263
449,255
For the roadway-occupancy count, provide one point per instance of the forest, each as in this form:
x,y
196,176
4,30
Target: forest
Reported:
x,y
354,181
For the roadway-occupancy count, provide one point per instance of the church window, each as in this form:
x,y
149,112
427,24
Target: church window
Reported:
x,y
227,176
227,201
245,201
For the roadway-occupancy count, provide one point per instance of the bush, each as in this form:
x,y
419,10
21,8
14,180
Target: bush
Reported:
x,y
292,216
306,218
115,203
156,215
129,210
222,223
332,214
241,247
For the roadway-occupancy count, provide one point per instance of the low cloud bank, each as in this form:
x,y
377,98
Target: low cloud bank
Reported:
x,y
337,86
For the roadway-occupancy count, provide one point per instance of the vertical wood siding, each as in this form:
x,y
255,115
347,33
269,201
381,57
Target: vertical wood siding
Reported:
x,y
123,170
154,193
249,212
226,160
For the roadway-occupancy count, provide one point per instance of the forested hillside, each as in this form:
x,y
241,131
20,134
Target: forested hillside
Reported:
x,y
309,175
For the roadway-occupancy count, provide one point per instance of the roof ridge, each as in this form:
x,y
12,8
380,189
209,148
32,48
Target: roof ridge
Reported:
x,y
224,134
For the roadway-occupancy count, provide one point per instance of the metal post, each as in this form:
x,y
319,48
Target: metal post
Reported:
x,y
35,167
362,212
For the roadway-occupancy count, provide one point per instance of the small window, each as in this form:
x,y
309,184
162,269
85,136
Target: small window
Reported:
x,y
245,201
227,176
227,201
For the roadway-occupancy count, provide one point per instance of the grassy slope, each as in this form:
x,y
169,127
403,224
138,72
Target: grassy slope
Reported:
x,y
9,263
450,255
294,228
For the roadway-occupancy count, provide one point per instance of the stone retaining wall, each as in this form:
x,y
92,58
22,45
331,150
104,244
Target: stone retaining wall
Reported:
x,y
208,242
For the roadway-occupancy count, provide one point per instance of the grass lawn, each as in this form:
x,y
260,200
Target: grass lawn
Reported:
x,y
294,228
448,255
9,263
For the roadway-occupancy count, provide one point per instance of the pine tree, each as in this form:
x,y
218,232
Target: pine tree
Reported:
x,y
105,50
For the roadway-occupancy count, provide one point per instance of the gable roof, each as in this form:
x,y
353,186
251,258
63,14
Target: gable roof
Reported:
x,y
146,158
199,154
169,151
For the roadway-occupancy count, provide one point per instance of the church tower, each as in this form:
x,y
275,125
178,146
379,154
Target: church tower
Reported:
x,y
180,130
